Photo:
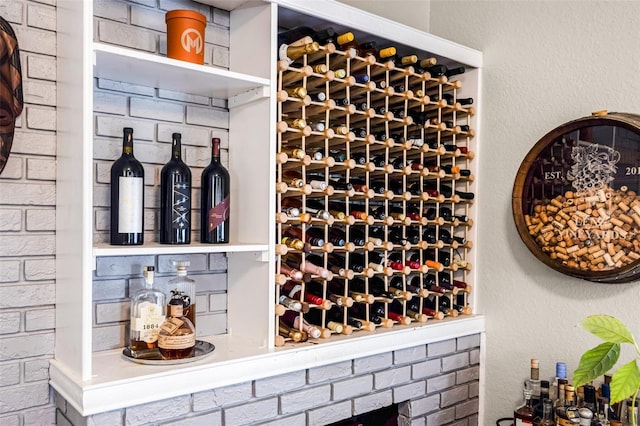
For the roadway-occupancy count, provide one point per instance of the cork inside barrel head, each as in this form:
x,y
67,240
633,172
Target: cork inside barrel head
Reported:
x,y
576,202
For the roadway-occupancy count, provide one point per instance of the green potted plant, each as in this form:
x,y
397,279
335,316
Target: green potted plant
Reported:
x,y
597,361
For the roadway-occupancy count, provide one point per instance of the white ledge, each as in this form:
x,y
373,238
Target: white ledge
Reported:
x,y
233,362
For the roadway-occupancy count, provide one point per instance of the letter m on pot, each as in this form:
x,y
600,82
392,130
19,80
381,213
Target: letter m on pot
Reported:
x,y
191,41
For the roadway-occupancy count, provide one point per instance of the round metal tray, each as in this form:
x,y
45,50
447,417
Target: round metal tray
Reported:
x,y
201,350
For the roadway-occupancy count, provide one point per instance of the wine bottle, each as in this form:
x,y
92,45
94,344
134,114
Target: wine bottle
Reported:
x,y
294,34
127,195
316,288
292,333
215,200
295,321
294,291
310,237
175,198
315,318
412,287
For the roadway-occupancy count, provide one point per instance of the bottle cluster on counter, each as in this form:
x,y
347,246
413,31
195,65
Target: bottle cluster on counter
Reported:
x,y
558,403
373,187
127,198
163,325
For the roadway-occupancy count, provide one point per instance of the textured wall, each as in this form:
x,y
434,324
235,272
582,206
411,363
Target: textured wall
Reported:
x,y
27,225
545,63
434,385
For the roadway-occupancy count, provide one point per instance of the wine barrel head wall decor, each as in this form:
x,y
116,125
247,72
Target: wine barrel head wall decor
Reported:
x,y
576,201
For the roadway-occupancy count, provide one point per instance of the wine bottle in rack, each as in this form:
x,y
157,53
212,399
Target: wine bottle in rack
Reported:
x,y
314,317
313,207
339,315
398,313
175,197
359,311
215,200
376,287
296,232
290,53
295,321
307,265
413,305
338,299
411,286
127,195
294,334
338,286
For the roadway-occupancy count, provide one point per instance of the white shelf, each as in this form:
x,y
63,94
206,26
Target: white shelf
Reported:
x,y
234,361
157,248
133,66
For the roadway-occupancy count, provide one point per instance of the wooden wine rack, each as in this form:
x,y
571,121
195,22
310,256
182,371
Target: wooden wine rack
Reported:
x,y
364,134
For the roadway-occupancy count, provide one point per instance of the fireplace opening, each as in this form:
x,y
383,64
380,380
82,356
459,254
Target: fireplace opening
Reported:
x,y
385,416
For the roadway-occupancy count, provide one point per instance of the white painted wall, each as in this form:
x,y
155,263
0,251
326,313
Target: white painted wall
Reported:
x,y
545,63
414,13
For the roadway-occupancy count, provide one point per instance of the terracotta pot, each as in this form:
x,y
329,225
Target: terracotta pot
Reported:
x,y
185,35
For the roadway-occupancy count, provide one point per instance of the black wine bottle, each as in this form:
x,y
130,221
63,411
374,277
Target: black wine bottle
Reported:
x,y
175,197
127,195
214,200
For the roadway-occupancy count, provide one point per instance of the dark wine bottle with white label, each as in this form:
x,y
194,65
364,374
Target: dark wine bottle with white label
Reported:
x,y
175,197
214,200
127,196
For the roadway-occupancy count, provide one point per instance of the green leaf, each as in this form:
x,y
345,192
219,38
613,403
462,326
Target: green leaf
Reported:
x,y
624,382
608,329
595,362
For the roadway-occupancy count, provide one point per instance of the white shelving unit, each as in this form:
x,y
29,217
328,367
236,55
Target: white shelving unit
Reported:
x,y
94,382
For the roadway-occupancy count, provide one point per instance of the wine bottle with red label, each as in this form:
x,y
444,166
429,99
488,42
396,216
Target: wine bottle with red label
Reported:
x,y
214,202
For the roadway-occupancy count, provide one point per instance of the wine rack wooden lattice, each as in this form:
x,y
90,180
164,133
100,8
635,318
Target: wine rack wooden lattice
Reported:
x,y
373,196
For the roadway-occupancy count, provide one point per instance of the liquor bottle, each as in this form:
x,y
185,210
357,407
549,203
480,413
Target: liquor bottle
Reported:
x,y
566,414
184,288
214,200
523,415
533,383
127,195
175,197
177,336
561,373
547,413
147,315
538,407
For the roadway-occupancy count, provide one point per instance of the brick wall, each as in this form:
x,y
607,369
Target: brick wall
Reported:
x,y
434,385
27,225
